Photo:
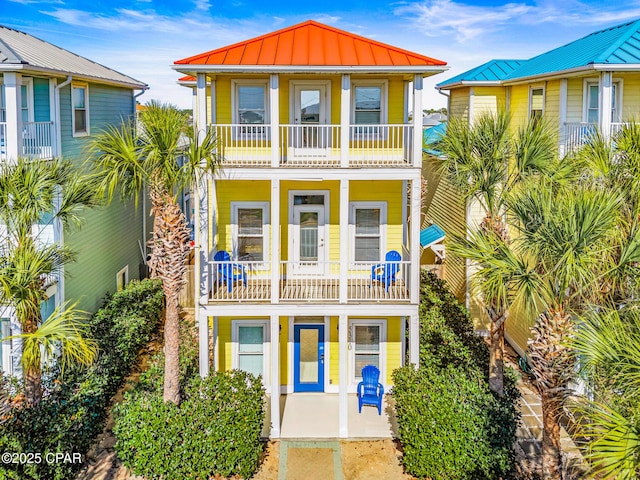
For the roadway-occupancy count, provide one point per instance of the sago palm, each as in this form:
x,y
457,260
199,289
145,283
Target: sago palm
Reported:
x,y
166,156
484,161
30,191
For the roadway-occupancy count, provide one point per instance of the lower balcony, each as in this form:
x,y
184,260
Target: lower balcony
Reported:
x,y
305,282
577,134
36,141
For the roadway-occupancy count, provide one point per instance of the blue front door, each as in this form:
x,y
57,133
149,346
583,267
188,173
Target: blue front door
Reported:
x,y
308,358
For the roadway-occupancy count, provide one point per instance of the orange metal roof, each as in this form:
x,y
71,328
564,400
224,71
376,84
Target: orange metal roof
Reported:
x,y
311,43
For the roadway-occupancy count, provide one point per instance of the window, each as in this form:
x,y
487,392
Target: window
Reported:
x,y
368,224
80,109
122,278
249,98
26,100
368,340
251,347
369,107
592,101
250,225
536,103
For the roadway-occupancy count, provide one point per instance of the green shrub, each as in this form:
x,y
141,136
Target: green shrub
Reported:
x,y
215,430
450,424
72,414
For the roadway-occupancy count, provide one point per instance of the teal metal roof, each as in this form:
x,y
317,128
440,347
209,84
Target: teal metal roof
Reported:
x,y
492,71
616,45
431,136
431,235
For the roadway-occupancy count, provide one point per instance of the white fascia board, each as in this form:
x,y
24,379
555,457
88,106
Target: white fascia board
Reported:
x,y
471,83
318,175
284,310
191,69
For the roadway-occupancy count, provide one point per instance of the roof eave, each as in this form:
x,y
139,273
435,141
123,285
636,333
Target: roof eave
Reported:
x,y
470,83
417,69
26,68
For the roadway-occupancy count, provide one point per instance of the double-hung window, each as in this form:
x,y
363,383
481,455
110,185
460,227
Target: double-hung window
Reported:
x,y
26,100
250,107
250,228
592,101
368,225
250,339
536,103
369,106
80,109
367,346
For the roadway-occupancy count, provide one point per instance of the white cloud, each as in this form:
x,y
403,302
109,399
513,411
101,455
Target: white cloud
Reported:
x,y
202,5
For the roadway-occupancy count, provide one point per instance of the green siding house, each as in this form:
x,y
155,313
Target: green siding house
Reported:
x,y
51,102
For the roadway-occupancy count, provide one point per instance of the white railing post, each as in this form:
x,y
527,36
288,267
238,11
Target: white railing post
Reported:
x,y
417,121
275,240
563,117
13,111
201,105
343,380
275,376
414,238
345,119
605,101
344,240
414,340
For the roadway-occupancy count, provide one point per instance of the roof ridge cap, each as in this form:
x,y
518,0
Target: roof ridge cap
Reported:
x,y
630,30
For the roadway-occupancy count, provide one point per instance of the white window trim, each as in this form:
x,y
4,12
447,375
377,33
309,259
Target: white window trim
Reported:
x,y
87,132
384,86
266,347
122,271
27,82
383,226
266,230
262,82
382,323
544,96
326,101
587,82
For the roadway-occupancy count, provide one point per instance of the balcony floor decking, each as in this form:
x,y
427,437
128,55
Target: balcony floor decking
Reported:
x,y
325,291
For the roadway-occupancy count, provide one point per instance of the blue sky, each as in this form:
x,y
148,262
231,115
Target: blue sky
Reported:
x,y
142,38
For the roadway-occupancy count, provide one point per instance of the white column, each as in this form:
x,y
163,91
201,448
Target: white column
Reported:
x,y
214,348
275,376
201,105
414,340
417,120
345,119
343,404
203,343
52,117
563,115
344,239
212,98
13,104
275,240
202,271
274,106
605,102
414,239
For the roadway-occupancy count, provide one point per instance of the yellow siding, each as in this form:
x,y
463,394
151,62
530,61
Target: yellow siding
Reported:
x,y
334,352
459,103
488,100
442,205
574,99
519,105
223,100
518,327
394,346
631,96
552,102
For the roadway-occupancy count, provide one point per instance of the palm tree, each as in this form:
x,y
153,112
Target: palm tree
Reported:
x,y
30,191
484,161
166,156
608,345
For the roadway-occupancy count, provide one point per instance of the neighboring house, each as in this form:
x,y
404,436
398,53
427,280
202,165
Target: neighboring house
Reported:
x,y
51,102
320,179
591,83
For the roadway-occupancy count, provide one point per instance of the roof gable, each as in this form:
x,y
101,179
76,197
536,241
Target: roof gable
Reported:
x,y
24,50
311,44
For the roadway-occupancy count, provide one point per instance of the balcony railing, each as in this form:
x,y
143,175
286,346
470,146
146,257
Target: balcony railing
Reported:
x,y
305,282
577,134
315,145
36,140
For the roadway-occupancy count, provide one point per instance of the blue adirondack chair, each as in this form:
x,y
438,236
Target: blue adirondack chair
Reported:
x,y
229,273
386,272
370,390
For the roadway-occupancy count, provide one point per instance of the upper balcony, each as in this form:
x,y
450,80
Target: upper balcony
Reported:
x,y
319,146
576,134
37,141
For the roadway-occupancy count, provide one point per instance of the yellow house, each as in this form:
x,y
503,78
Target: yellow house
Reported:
x,y
590,84
307,238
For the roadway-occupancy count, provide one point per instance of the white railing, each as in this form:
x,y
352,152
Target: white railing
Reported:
x,y
379,281
249,145
310,281
309,145
380,145
3,135
239,281
36,140
577,134
244,145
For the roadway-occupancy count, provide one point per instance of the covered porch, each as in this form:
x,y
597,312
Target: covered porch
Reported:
x,y
315,415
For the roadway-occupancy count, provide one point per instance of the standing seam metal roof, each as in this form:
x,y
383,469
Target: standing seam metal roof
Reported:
x,y
19,48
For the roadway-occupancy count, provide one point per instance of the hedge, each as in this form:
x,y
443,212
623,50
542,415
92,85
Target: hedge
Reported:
x,y
72,413
450,424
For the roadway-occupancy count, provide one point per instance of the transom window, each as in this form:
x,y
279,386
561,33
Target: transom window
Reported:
x,y
368,222
80,108
250,225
